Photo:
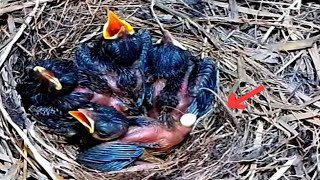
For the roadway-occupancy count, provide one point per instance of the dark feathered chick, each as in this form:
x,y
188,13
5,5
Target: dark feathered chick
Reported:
x,y
196,91
117,60
61,75
123,45
169,58
47,77
170,67
48,91
182,87
56,120
103,122
144,139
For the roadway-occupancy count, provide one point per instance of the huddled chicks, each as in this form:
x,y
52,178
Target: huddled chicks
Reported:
x,y
137,99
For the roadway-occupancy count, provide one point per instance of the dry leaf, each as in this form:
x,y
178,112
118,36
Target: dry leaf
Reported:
x,y
285,167
264,55
294,45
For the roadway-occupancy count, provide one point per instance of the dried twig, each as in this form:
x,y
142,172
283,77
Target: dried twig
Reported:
x,y
43,162
155,16
8,48
165,8
14,6
286,112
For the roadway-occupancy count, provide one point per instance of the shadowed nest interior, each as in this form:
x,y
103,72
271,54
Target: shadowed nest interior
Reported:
x,y
270,43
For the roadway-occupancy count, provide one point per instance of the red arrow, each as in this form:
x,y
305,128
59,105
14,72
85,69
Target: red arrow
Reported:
x,y
233,102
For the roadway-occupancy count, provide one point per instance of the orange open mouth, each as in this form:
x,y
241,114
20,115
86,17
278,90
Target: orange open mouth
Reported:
x,y
49,76
83,118
115,27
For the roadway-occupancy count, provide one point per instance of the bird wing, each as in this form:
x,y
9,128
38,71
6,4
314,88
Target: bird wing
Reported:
x,y
89,60
146,47
110,156
139,121
68,102
72,101
205,76
55,120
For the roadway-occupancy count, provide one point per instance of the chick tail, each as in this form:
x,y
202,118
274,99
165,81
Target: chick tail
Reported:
x,y
206,77
110,156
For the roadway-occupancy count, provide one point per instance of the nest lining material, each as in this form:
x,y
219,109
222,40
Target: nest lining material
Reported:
x,y
273,43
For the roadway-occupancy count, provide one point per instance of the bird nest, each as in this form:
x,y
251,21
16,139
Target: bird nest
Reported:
x,y
271,43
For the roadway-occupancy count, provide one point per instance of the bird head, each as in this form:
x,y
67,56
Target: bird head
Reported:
x,y
48,75
116,27
167,38
168,57
104,123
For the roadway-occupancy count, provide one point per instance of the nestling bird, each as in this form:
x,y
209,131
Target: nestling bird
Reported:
x,y
45,78
103,122
205,77
179,81
56,120
118,60
48,94
170,68
195,94
144,138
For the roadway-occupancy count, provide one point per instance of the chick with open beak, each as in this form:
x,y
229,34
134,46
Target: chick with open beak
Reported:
x,y
103,122
129,51
122,44
117,60
144,139
116,27
48,93
61,75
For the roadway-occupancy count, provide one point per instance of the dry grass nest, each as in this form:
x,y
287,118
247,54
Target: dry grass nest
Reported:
x,y
272,43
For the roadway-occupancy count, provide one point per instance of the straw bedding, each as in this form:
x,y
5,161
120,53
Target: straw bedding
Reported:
x,y
271,43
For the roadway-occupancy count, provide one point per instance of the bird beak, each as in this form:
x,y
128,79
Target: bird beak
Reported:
x,y
116,27
83,116
49,76
168,38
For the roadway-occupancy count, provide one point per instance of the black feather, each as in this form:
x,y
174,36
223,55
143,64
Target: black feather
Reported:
x,y
109,123
168,61
205,75
33,84
56,120
129,50
110,156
